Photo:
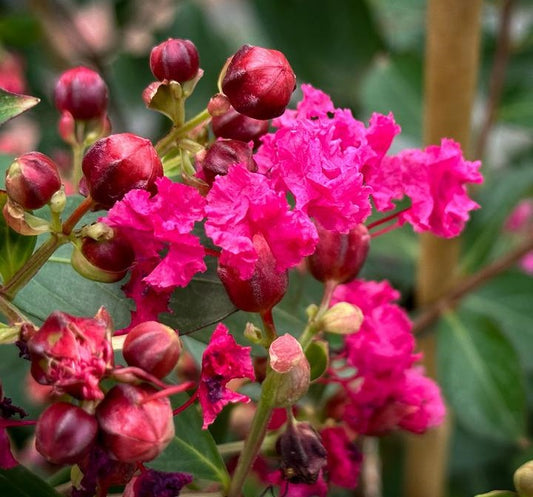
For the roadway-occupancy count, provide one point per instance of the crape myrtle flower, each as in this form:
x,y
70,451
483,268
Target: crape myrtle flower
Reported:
x,y
153,483
73,353
155,225
243,204
435,180
343,457
222,361
7,411
520,222
387,390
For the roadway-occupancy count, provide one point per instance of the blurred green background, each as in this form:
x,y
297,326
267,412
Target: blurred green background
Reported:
x,y
368,55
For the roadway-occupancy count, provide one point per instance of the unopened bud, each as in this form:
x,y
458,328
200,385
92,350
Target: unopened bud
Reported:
x,y
174,60
32,179
65,433
119,163
237,126
218,104
264,289
152,346
253,333
223,154
149,427
302,453
523,480
58,201
290,370
343,318
82,92
339,257
259,82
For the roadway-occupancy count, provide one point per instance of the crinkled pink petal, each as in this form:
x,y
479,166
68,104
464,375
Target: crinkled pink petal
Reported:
x,y
521,217
243,204
7,461
222,361
344,458
526,263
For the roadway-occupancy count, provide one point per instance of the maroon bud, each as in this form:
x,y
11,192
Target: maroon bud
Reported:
x,y
264,289
105,260
65,433
135,427
339,257
225,153
259,82
152,346
302,453
119,163
238,126
174,60
32,179
82,92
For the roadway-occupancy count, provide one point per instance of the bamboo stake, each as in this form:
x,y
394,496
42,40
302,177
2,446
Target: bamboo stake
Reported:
x,y
452,60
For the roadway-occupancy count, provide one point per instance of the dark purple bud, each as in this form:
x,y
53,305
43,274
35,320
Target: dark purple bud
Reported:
x,y
152,483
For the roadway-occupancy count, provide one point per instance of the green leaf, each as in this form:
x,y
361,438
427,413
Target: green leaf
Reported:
x,y
507,300
318,357
58,287
21,482
15,249
192,450
12,104
202,303
481,376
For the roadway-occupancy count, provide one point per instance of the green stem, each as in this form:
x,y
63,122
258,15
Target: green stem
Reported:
x,y
32,266
313,326
164,145
77,173
255,438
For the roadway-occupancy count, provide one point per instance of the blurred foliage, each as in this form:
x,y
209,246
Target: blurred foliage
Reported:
x,y
368,55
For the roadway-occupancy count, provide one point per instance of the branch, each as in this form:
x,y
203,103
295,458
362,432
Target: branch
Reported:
x,y
431,313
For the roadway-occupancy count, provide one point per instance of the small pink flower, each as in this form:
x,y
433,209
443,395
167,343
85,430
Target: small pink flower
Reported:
x,y
344,458
72,353
243,204
521,217
222,361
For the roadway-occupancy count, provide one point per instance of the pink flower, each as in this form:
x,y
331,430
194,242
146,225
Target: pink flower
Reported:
x,y
435,180
521,217
222,361
72,354
243,204
344,458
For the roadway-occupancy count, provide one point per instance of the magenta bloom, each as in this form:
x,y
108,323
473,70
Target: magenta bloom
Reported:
x,y
344,458
72,354
223,360
243,204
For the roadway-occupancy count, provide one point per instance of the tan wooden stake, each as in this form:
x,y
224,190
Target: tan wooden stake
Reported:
x,y
452,60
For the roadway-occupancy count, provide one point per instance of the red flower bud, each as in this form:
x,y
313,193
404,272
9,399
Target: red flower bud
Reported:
x,y
119,163
134,427
65,433
82,92
259,82
224,153
32,180
339,257
264,289
174,60
105,260
237,126
152,346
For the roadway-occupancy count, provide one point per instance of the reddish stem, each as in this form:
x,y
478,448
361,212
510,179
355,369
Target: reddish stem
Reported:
x,y
387,229
182,408
78,213
174,389
212,252
387,218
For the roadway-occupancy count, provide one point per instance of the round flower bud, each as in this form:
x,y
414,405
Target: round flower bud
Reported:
x,y
32,179
224,153
152,346
135,428
82,92
523,480
174,60
119,163
342,318
339,257
237,126
103,260
264,289
65,433
259,82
